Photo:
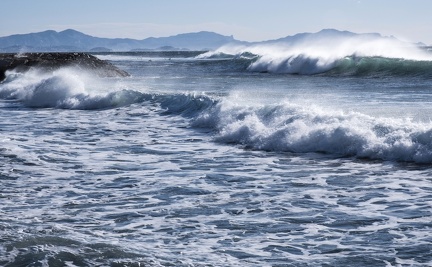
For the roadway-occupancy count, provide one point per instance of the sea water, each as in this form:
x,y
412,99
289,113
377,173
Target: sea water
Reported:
x,y
226,158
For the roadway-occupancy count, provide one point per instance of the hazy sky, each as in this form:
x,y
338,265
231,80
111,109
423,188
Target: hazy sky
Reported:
x,y
249,20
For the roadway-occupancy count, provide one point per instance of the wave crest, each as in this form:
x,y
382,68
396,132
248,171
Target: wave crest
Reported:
x,y
331,51
294,128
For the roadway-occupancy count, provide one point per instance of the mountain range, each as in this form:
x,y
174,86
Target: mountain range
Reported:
x,y
75,41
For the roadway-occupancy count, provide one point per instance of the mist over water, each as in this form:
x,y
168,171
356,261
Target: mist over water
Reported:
x,y
327,50
261,156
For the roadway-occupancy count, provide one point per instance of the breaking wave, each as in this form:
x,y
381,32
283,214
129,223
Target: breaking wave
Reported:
x,y
65,88
68,88
332,52
288,127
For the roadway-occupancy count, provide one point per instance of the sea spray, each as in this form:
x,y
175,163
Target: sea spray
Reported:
x,y
326,50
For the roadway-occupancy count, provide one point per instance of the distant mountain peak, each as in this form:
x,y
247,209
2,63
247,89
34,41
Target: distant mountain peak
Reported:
x,y
326,34
330,30
334,32
70,31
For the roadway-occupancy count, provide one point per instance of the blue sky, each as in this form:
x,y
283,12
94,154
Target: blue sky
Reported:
x,y
250,20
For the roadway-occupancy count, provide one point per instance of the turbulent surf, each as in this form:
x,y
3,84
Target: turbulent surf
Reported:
x,y
307,151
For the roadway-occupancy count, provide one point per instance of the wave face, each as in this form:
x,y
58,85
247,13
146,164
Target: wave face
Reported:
x,y
295,128
332,52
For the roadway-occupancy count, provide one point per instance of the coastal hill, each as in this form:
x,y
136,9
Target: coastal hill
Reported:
x,y
75,41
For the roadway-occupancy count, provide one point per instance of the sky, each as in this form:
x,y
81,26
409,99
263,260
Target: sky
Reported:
x,y
246,20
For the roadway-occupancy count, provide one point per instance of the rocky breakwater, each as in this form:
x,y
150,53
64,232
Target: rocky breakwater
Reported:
x,y
54,61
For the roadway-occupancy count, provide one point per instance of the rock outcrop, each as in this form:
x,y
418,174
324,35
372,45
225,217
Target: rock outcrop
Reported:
x,y
53,61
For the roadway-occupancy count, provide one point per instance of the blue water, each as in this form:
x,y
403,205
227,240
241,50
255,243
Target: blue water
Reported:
x,y
204,160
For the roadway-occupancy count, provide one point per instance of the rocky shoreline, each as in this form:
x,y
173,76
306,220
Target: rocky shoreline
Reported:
x,y
54,61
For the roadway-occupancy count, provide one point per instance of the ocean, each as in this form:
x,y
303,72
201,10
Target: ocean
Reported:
x,y
244,156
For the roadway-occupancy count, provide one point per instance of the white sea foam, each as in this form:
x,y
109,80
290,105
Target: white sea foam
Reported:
x,y
137,186
297,128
